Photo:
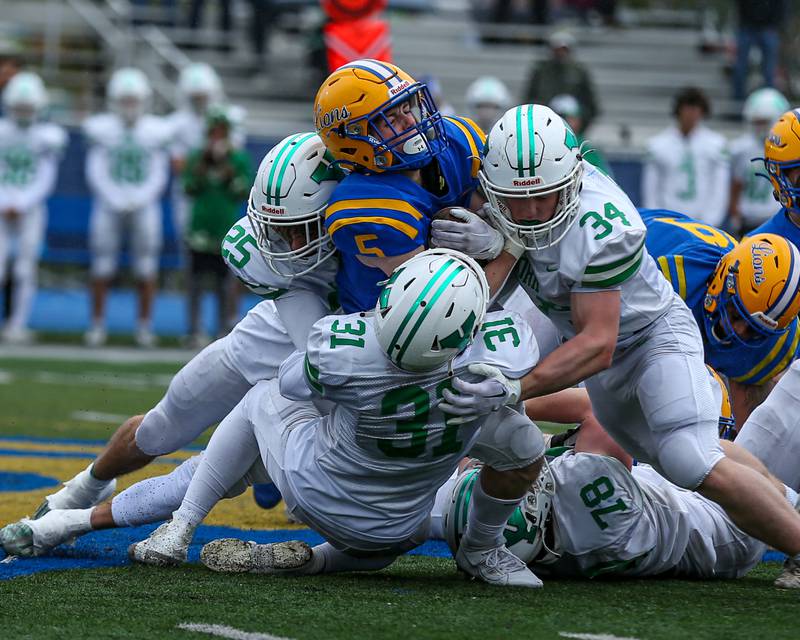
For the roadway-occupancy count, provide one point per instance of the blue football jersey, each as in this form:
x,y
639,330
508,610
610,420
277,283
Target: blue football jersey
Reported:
x,y
389,214
780,224
687,252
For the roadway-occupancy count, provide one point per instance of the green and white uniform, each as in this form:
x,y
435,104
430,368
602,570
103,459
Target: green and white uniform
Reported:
x,y
756,201
216,379
365,476
127,169
656,399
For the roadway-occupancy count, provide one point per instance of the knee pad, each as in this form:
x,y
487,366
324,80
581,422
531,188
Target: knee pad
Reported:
x,y
104,264
686,456
509,440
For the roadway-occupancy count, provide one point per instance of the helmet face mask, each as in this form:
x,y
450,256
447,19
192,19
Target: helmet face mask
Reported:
x,y
532,153
357,114
756,283
431,309
526,528
287,204
781,157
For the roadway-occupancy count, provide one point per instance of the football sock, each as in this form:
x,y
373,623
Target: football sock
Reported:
x,y
487,519
325,558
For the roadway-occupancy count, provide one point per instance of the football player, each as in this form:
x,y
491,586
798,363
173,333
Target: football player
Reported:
x,y
29,154
687,166
406,163
487,99
629,336
127,172
282,253
365,475
199,89
744,298
782,159
751,202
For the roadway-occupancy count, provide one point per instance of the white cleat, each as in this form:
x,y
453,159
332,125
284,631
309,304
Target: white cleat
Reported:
x,y
95,337
496,566
167,546
17,335
31,538
790,575
145,338
81,492
231,555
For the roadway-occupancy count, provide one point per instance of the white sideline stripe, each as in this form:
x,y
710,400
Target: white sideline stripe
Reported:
x,y
98,416
227,632
592,636
116,355
103,379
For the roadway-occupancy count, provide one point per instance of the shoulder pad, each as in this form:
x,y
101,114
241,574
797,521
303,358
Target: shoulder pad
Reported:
x,y
505,341
99,127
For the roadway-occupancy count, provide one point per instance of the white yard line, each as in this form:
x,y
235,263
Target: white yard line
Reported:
x,y
103,379
227,632
592,636
98,416
114,355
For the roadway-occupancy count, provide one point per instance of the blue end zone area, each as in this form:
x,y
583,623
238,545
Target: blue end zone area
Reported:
x,y
110,548
16,481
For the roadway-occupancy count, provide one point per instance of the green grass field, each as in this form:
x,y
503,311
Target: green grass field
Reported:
x,y
418,597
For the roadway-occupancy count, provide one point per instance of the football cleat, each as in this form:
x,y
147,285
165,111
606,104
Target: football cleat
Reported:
x,y
76,494
790,574
231,555
167,546
496,566
30,538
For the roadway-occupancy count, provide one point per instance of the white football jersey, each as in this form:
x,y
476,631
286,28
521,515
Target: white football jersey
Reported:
x,y
689,174
188,130
28,163
289,308
603,250
127,164
607,520
375,462
756,201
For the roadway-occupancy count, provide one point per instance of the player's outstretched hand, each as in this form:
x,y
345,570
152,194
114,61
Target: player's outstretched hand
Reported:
x,y
467,232
475,399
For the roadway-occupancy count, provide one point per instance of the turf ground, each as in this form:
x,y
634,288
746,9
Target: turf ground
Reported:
x,y
84,592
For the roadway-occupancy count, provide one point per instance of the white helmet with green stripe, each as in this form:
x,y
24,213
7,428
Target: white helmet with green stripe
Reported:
x,y
525,529
292,187
430,309
530,152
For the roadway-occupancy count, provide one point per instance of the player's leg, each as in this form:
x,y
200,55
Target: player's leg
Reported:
x,y
231,452
31,231
203,392
146,249
147,501
104,240
772,432
676,429
513,449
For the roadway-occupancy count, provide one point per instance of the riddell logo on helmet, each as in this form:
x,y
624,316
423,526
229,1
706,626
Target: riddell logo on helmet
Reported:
x,y
759,252
528,182
393,91
276,210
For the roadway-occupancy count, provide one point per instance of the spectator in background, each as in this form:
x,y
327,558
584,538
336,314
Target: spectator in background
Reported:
x,y
687,167
127,169
29,155
568,108
487,100
196,10
562,74
751,199
539,12
9,66
217,178
199,90
759,22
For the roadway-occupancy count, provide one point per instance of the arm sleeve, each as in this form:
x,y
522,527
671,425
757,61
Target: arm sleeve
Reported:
x,y
41,186
300,309
292,378
97,176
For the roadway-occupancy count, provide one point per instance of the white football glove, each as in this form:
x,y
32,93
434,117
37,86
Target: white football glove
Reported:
x,y
474,236
476,399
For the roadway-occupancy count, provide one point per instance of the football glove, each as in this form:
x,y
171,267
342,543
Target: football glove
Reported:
x,y
476,399
474,236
